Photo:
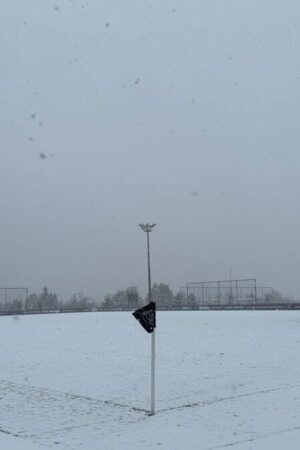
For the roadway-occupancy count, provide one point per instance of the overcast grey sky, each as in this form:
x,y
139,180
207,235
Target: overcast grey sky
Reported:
x,y
181,113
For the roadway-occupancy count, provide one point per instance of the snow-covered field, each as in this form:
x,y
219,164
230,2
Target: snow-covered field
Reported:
x,y
224,380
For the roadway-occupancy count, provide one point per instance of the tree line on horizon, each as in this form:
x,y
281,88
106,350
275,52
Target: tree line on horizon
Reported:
x,y
162,294
129,298
123,299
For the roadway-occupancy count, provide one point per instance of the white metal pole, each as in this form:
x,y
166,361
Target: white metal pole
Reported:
x,y
148,228
153,373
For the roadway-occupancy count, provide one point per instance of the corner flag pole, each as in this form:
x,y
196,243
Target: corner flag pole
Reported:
x,y
152,411
153,373
147,318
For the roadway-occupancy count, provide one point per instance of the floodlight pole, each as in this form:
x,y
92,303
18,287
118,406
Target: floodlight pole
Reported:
x,y
148,228
149,270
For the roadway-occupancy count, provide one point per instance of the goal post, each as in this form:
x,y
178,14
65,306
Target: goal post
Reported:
x,y
222,292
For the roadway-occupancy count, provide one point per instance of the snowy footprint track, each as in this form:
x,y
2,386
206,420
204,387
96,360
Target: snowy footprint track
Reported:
x,y
229,398
259,438
50,418
47,417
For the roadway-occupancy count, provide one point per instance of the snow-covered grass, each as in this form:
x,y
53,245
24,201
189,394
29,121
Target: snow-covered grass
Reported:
x,y
72,381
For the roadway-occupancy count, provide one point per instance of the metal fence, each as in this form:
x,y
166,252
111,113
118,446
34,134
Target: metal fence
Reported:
x,y
226,292
13,299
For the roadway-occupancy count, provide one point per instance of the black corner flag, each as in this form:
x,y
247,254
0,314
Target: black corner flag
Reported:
x,y
146,316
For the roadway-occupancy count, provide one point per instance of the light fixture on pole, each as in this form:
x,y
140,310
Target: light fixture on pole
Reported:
x,y
147,228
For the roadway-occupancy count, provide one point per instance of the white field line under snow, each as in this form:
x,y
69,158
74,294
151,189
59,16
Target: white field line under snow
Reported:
x,y
224,380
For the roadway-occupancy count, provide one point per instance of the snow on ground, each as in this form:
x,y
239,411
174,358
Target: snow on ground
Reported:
x,y
225,379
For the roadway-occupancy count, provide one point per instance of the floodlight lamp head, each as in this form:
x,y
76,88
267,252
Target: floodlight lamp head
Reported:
x,y
146,227
142,226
